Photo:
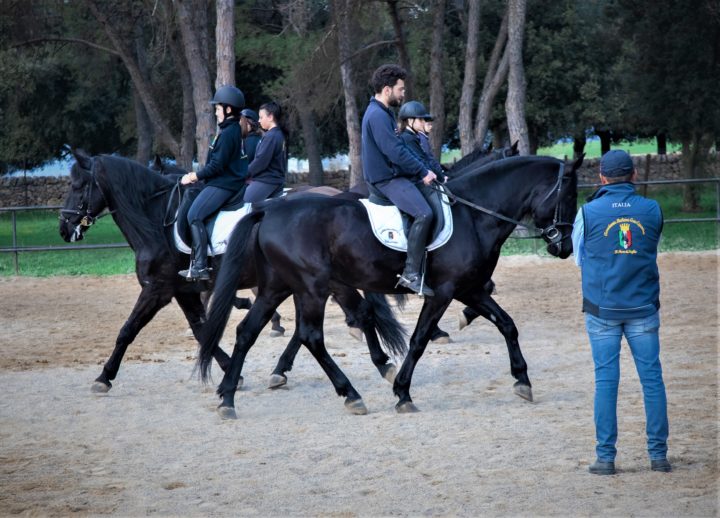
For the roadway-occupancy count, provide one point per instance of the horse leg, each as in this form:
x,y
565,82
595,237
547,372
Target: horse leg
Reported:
x,y
150,301
278,378
468,314
245,336
277,329
358,311
310,326
488,308
242,303
432,310
192,306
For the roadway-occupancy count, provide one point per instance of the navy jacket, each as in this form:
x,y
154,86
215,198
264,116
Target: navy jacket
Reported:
x,y
620,277
384,154
250,143
413,141
270,162
226,166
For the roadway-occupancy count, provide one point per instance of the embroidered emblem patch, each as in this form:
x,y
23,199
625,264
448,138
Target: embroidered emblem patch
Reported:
x,y
625,237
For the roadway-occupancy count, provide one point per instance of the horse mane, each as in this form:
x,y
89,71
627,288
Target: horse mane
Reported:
x,y
469,179
136,195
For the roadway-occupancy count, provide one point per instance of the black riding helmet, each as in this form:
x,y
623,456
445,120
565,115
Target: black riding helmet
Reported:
x,y
250,114
414,110
230,96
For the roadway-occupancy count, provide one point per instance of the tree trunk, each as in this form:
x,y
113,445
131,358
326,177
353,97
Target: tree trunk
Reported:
x,y
494,78
312,146
605,141
579,142
225,43
144,89
661,144
401,46
694,157
467,140
341,18
194,33
437,87
144,131
515,102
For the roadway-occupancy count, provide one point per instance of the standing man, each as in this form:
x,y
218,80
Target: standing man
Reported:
x,y
389,167
615,239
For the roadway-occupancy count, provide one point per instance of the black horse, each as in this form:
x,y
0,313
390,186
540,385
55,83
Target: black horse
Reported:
x,y
304,246
140,202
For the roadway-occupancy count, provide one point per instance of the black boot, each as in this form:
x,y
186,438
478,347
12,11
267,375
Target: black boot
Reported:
x,y
198,270
417,238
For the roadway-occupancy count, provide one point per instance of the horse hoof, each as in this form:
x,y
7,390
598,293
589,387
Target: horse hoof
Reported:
x,y
356,406
524,391
356,333
226,412
406,408
277,381
100,388
277,332
462,321
390,373
442,340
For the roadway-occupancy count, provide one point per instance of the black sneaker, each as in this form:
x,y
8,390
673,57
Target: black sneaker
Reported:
x,y
602,468
194,274
661,465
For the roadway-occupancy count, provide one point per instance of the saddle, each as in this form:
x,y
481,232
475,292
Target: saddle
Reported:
x,y
390,225
218,226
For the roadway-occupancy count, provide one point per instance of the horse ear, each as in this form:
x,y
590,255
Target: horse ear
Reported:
x,y
83,159
157,163
514,147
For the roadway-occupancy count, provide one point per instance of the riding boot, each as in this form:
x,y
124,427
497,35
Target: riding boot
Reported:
x,y
198,270
411,278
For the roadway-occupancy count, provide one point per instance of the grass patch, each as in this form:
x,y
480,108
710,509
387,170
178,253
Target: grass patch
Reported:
x,y
40,228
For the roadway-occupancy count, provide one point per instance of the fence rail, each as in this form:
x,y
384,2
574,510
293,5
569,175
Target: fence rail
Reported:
x,y
16,250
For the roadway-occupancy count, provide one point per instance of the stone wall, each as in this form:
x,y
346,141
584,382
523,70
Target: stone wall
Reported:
x,y
16,192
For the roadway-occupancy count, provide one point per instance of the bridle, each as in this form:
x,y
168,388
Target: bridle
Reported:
x,y
87,217
551,234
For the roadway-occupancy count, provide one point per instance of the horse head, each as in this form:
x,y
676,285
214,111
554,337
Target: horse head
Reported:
x,y
166,168
84,201
554,210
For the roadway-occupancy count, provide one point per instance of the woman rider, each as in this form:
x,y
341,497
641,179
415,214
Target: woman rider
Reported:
x,y
266,173
224,174
412,130
251,133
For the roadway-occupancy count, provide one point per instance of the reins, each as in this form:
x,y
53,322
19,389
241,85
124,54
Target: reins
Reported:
x,y
551,233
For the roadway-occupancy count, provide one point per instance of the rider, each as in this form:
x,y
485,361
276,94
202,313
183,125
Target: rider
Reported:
x,y
251,132
224,173
412,130
269,167
390,167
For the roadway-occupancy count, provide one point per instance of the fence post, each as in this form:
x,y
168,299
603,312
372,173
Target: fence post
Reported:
x,y
14,241
647,175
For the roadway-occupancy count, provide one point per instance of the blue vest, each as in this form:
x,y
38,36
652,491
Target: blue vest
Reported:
x,y
620,277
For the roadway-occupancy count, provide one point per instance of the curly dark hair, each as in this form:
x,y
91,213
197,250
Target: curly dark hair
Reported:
x,y
387,75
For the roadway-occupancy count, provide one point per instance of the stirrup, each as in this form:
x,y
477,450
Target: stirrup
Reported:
x,y
415,284
195,274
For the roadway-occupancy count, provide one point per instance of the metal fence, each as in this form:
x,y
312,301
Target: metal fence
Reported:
x,y
14,249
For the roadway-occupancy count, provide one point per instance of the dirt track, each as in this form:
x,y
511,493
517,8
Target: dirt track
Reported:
x,y
155,445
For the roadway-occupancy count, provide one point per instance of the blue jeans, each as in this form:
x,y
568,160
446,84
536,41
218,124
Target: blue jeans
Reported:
x,y
208,202
642,336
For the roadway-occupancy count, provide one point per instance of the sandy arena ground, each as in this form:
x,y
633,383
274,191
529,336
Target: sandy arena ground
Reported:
x,y
155,445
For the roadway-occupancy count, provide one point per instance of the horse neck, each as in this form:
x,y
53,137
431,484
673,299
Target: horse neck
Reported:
x,y
134,195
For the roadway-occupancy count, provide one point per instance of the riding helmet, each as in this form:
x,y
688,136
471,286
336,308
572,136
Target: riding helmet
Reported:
x,y
250,114
229,95
414,110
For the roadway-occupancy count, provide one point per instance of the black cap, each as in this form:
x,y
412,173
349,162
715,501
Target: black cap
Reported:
x,y
230,95
616,162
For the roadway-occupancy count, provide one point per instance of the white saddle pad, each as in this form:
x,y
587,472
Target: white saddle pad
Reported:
x,y
225,222
387,225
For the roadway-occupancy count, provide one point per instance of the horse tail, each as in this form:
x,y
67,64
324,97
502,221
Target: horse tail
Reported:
x,y
401,300
392,333
226,285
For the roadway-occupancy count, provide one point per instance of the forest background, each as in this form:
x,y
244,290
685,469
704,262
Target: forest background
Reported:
x,y
134,77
